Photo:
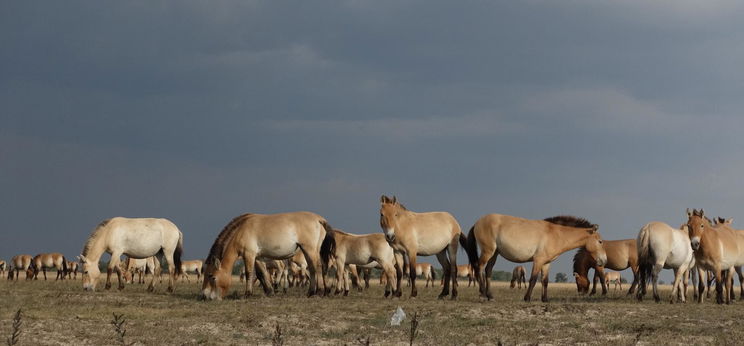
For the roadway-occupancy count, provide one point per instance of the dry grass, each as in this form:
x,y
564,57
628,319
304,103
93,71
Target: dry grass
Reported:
x,y
61,313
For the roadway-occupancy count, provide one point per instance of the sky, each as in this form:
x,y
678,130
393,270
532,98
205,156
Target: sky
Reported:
x,y
619,112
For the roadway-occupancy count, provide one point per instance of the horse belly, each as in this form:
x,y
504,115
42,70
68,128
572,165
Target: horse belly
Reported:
x,y
278,248
515,252
432,245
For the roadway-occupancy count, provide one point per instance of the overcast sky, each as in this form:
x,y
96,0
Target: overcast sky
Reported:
x,y
619,112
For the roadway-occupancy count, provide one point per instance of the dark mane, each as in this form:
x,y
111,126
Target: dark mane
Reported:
x,y
218,248
570,221
579,258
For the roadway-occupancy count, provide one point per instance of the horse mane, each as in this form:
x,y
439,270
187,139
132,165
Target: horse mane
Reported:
x,y
94,236
218,248
570,221
579,258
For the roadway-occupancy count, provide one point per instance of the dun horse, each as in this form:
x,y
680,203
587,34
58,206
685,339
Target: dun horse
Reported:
x,y
718,249
522,240
621,254
518,277
19,263
194,266
3,268
141,266
136,238
72,269
661,246
44,261
422,234
614,277
252,236
362,250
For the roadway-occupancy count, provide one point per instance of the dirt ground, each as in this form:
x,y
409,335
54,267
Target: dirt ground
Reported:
x,y
61,313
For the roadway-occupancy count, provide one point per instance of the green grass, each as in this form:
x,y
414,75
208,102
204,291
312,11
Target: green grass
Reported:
x,y
62,313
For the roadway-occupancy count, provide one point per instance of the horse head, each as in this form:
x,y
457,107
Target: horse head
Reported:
x,y
390,211
594,246
216,280
696,225
91,273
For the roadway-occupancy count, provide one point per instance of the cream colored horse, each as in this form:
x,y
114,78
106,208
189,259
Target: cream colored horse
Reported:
x,y
729,222
613,277
194,266
661,246
140,267
276,236
135,238
522,240
44,261
422,234
355,249
20,263
719,249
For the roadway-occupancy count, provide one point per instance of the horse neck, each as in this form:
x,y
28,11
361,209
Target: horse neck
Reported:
x,y
96,249
582,265
229,256
571,238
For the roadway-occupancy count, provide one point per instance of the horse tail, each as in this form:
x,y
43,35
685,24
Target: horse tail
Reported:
x,y
434,273
471,248
177,254
646,258
328,247
64,265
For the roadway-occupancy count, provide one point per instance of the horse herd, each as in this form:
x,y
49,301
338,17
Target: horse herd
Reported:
x,y
301,247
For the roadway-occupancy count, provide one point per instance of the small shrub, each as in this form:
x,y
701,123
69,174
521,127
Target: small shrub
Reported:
x,y
278,338
16,333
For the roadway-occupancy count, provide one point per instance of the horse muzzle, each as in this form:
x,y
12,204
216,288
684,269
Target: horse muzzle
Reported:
x,y
390,238
695,245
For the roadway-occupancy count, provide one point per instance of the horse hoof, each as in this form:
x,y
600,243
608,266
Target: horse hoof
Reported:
x,y
346,293
170,290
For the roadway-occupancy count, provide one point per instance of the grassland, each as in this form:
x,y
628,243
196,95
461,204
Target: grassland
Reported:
x,y
61,313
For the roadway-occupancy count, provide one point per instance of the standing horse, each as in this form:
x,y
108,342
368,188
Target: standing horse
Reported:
x,y
140,266
72,269
613,277
20,263
276,236
465,271
621,254
137,238
718,249
422,234
3,267
661,246
522,240
44,261
721,221
518,277
360,250
191,266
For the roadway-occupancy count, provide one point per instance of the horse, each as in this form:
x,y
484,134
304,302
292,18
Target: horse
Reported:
x,y
425,271
275,236
140,266
20,263
54,260
613,277
137,238
364,249
522,240
721,221
662,246
621,254
191,266
72,269
719,249
465,271
422,234
299,275
518,277
3,267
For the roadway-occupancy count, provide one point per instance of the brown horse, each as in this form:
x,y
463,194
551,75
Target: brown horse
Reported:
x,y
276,236
20,263
718,249
522,240
621,254
465,271
348,248
72,269
518,277
44,261
721,221
3,267
194,266
422,234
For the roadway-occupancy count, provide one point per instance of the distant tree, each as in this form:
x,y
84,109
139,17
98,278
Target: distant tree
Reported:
x,y
561,277
500,275
622,280
661,282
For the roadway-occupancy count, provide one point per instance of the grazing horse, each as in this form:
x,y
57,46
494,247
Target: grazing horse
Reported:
x,y
364,249
621,254
137,238
191,266
719,249
276,236
661,246
518,277
522,240
20,263
44,261
422,234
72,269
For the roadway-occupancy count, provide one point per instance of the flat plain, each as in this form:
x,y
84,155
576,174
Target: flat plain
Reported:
x,y
61,313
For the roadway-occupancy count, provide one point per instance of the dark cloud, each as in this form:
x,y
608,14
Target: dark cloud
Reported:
x,y
619,112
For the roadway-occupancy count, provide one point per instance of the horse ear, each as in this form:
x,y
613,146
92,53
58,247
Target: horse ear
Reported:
x,y
729,221
82,258
594,229
689,213
702,213
384,199
395,200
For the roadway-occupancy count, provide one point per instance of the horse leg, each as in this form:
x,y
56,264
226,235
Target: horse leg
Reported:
x,y
603,280
340,275
43,270
171,271
314,266
594,281
412,272
446,272
741,282
488,270
719,285
389,271
545,280
729,285
634,284
452,254
536,267
655,279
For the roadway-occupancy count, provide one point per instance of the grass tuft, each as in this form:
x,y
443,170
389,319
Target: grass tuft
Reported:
x,y
414,327
278,338
16,333
119,323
